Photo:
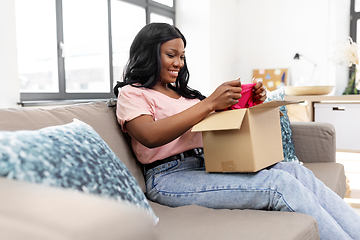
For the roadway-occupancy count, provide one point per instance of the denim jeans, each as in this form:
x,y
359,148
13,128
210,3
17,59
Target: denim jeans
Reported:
x,y
282,187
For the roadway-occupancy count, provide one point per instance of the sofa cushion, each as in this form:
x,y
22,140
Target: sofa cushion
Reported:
x,y
70,156
287,141
195,222
35,212
97,114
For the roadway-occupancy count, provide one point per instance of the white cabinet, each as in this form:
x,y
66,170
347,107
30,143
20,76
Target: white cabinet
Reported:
x,y
346,119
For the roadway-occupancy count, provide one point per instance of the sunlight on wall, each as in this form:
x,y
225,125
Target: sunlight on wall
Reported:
x,y
239,36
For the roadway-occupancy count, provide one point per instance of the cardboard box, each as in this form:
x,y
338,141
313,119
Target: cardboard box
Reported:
x,y
242,140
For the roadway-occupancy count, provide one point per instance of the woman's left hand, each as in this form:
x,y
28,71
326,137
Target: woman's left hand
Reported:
x,y
259,92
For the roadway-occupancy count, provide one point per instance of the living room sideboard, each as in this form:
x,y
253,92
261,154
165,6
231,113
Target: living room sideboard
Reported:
x,y
343,112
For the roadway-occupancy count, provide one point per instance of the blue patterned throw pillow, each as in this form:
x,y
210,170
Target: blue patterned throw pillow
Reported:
x,y
70,156
288,144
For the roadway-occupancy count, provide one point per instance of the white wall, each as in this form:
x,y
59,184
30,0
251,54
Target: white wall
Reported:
x,y
224,41
210,29
242,35
339,29
193,22
9,90
273,31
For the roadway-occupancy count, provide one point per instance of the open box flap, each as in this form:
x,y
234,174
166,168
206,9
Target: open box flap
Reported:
x,y
226,120
275,103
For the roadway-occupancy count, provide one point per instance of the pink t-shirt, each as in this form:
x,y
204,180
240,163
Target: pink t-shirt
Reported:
x,y
133,102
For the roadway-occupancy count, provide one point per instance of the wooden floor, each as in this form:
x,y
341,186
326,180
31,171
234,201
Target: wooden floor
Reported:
x,y
351,162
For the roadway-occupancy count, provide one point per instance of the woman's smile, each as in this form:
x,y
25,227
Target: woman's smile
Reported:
x,y
175,73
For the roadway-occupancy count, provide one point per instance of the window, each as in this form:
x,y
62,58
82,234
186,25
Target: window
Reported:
x,y
122,39
159,18
354,20
37,61
169,3
77,49
85,46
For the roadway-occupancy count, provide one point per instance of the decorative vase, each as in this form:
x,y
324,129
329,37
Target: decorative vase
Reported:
x,y
351,87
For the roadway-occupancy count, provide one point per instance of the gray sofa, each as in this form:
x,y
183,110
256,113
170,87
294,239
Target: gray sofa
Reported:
x,y
31,211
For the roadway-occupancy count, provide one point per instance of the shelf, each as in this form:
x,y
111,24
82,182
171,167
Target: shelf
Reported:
x,y
323,98
310,100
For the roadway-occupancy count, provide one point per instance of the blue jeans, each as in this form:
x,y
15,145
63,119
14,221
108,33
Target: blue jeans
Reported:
x,y
282,187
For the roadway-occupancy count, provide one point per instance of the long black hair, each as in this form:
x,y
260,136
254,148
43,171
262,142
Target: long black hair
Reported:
x,y
144,64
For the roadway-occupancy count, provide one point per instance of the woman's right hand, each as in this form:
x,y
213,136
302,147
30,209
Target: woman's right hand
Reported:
x,y
225,95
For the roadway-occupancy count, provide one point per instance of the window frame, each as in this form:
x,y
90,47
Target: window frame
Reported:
x,y
33,97
354,17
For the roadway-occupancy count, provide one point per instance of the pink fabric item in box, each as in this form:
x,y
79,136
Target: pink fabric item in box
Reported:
x,y
246,99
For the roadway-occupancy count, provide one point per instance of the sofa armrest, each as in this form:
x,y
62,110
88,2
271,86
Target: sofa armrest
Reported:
x,y
314,141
